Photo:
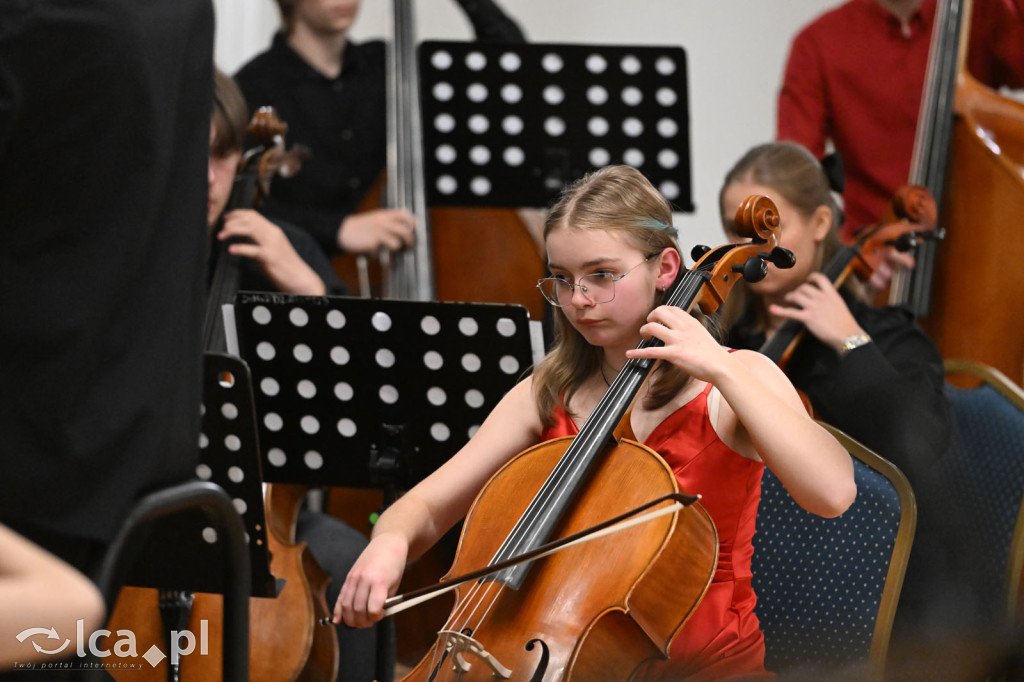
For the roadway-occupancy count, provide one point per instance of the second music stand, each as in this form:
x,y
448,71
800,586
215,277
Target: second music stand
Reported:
x,y
368,393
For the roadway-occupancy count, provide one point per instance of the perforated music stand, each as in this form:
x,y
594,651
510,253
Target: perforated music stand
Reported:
x,y
511,125
184,547
368,393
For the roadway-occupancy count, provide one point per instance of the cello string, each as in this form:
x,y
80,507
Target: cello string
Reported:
x,y
576,455
579,454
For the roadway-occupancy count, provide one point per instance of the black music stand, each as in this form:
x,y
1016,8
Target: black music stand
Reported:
x,y
369,393
182,548
512,124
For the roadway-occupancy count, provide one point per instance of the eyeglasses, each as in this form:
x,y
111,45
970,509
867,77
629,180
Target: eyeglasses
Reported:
x,y
598,287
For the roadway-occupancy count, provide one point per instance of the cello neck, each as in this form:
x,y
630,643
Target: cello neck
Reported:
x,y
226,269
705,285
780,346
538,523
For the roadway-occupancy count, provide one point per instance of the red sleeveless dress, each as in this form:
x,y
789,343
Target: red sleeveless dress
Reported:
x,y
722,639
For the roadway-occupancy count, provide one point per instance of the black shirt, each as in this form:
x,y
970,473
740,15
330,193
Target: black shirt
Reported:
x,y
340,120
887,394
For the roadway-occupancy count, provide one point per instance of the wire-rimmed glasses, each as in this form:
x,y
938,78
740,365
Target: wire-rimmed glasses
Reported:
x,y
597,287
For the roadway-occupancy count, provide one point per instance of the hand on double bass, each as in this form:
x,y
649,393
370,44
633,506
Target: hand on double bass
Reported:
x,y
385,228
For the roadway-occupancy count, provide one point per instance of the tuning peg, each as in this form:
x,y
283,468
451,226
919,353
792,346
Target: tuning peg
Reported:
x,y
697,252
753,270
905,242
780,258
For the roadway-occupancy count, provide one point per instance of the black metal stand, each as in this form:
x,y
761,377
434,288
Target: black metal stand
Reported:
x,y
374,393
367,393
183,547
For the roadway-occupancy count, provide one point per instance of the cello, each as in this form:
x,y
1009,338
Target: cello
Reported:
x,y
282,644
980,178
911,221
549,620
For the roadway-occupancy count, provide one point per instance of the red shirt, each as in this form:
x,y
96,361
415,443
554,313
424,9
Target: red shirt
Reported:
x,y
855,76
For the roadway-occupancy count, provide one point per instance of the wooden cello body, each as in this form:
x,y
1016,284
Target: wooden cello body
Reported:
x,y
284,645
591,612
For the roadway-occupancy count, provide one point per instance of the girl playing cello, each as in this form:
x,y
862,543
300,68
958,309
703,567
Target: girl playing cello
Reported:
x,y
717,417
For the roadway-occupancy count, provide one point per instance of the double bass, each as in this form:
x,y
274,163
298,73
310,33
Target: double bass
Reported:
x,y
461,254
974,166
550,620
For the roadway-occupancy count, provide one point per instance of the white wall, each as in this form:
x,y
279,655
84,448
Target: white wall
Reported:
x,y
736,51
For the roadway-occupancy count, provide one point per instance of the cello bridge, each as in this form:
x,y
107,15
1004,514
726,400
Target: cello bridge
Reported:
x,y
458,645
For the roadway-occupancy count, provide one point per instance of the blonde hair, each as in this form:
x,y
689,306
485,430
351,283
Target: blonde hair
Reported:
x,y
620,200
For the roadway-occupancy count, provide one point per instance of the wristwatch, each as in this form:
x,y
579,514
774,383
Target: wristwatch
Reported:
x,y
851,342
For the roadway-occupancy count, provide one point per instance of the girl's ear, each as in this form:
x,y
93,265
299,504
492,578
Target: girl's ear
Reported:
x,y
821,222
669,263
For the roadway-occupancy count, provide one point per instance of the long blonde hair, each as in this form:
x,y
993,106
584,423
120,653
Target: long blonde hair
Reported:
x,y
617,199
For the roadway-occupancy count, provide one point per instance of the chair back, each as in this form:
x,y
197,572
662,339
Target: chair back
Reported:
x,y
983,478
827,588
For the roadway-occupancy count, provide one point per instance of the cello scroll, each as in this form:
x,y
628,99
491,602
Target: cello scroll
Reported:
x,y
757,218
911,219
